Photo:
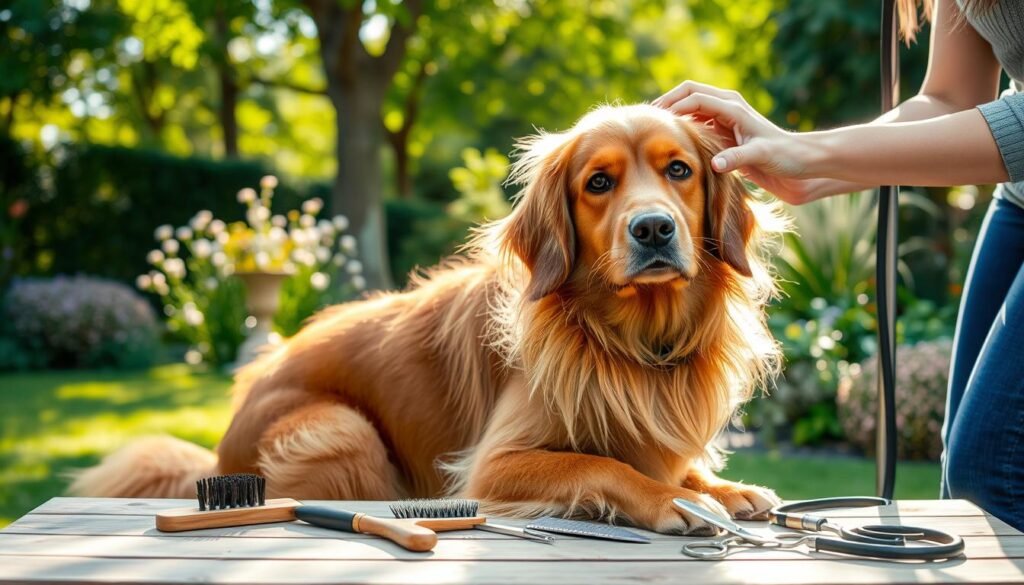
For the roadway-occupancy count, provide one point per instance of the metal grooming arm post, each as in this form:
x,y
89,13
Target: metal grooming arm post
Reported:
x,y
885,274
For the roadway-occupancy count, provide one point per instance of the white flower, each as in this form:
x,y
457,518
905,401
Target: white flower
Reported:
x,y
339,259
279,221
158,279
155,257
307,221
170,246
348,243
201,220
257,215
299,238
175,268
161,289
354,267
246,195
262,259
217,227
163,232
219,259
143,282
304,257
268,182
202,248
193,357
312,206
326,228
359,282
223,237
193,316
340,222
211,283
322,254
319,280
183,233
277,235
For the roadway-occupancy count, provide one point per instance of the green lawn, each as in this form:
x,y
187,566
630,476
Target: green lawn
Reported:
x,y
54,422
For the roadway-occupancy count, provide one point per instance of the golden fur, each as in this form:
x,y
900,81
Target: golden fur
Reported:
x,y
539,372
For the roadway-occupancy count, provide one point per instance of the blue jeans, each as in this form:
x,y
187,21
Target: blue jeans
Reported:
x,y
983,434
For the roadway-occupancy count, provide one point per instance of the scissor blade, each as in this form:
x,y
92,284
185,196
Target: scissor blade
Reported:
x,y
716,520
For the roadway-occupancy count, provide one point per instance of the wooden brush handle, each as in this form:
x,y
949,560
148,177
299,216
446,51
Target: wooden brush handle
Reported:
x,y
405,533
178,519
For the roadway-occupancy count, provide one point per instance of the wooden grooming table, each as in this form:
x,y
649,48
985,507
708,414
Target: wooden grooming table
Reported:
x,y
97,540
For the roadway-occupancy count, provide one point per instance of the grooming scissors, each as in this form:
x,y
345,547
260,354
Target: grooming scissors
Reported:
x,y
883,541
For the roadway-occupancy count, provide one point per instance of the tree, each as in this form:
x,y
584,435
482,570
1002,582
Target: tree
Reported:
x,y
357,82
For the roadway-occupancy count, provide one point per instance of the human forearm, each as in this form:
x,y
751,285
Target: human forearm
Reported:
x,y
952,149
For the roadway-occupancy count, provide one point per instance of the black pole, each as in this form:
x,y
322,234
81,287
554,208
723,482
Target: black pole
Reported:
x,y
885,274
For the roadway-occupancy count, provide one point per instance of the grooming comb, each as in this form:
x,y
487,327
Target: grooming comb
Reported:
x,y
458,508
588,529
240,499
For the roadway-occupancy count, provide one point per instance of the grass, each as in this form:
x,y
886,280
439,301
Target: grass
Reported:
x,y
55,422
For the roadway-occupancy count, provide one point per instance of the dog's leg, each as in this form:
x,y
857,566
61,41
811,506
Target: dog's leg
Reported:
x,y
744,502
526,483
326,451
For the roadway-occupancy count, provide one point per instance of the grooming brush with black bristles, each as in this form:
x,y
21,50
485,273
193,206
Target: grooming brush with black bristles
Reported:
x,y
240,499
459,508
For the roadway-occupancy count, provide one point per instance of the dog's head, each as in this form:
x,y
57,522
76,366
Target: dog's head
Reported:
x,y
626,198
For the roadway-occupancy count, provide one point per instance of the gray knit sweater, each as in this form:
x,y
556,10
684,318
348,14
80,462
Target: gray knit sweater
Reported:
x,y
1003,27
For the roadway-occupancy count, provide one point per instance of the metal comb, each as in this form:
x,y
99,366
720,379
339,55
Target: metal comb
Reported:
x,y
588,529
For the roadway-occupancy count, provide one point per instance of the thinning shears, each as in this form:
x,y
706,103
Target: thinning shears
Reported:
x,y
881,541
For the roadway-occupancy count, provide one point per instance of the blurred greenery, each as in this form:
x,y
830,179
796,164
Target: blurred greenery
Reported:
x,y
55,422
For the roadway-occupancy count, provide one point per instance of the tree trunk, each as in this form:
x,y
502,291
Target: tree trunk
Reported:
x,y
228,86
358,186
228,103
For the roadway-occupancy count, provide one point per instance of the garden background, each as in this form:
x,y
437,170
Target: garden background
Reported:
x,y
141,140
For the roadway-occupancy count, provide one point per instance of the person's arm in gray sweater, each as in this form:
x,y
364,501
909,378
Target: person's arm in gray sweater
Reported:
x,y
1005,119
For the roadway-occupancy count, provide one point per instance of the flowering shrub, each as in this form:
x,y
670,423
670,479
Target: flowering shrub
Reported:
x,y
81,322
194,266
921,377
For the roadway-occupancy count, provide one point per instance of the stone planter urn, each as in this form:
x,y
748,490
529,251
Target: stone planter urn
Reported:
x,y
262,291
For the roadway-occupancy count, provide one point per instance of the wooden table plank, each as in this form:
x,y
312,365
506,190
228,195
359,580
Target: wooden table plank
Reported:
x,y
343,548
119,506
57,569
80,524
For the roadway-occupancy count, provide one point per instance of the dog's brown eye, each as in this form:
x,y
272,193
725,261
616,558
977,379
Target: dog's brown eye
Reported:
x,y
677,169
599,183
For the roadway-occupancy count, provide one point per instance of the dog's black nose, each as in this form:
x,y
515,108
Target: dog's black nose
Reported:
x,y
652,230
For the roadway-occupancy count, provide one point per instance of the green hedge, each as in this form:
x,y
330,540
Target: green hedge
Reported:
x,y
105,202
100,206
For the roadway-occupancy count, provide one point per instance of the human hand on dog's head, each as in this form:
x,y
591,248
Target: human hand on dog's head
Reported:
x,y
776,160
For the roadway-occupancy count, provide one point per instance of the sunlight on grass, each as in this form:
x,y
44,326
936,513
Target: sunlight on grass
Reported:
x,y
54,422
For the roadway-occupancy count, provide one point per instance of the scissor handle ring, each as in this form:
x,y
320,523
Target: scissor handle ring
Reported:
x,y
708,549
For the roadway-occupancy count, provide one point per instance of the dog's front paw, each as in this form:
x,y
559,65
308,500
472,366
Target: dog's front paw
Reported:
x,y
744,502
670,519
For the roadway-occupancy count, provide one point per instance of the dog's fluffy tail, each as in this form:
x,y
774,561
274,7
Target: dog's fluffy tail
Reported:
x,y
153,467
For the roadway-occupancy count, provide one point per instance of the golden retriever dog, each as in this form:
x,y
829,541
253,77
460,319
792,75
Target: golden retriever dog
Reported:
x,y
578,359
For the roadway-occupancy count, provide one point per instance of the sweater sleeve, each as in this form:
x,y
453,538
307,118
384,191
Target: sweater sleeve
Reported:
x,y
1005,119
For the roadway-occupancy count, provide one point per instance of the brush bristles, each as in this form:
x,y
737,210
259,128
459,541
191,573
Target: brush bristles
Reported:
x,y
439,508
240,490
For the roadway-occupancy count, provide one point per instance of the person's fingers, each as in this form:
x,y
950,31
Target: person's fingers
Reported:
x,y
724,112
688,88
744,155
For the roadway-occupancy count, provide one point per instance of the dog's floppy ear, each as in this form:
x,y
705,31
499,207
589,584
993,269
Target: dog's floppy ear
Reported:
x,y
728,220
540,229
